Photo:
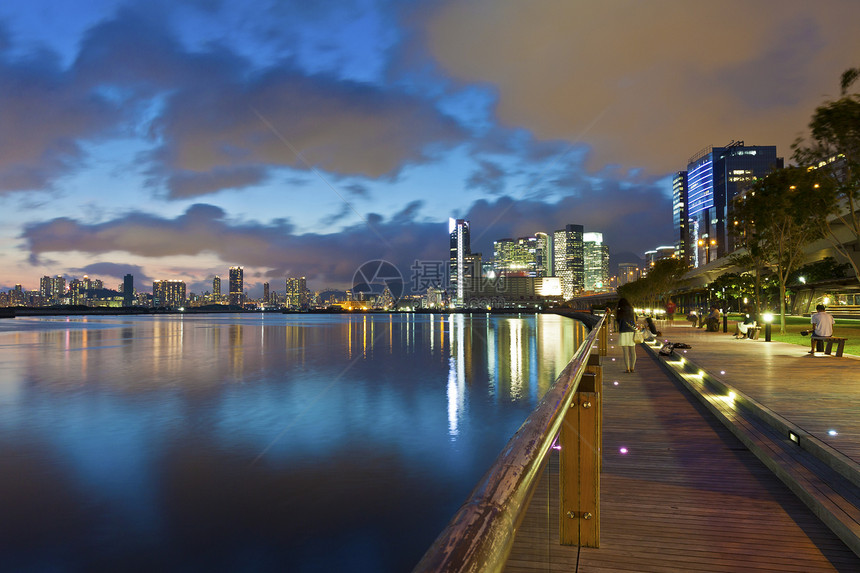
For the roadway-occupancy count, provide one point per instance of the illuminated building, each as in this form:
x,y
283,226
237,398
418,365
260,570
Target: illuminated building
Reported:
x,y
168,294
216,288
715,176
543,255
237,286
680,216
651,257
568,259
525,256
52,289
595,261
296,295
265,292
458,232
628,272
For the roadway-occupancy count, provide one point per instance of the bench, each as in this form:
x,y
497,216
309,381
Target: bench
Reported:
x,y
819,340
753,332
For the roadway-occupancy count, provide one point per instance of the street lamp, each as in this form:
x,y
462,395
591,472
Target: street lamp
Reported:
x,y
768,318
707,245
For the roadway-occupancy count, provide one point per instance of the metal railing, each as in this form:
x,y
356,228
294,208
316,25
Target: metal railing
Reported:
x,y
481,533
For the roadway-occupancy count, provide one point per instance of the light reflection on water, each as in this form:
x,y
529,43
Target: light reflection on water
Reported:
x,y
268,442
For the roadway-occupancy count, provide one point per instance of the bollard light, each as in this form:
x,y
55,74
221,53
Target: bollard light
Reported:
x,y
768,318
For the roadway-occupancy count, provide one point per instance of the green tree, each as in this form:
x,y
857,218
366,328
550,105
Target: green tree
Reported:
x,y
833,150
776,213
653,289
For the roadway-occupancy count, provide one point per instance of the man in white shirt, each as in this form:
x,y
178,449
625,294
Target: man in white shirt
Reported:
x,y
822,326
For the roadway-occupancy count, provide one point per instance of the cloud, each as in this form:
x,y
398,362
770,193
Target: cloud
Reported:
x,y
632,217
650,83
46,117
184,184
215,119
273,247
488,177
114,270
285,119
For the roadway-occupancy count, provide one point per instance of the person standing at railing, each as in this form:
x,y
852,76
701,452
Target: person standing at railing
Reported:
x,y
625,317
822,326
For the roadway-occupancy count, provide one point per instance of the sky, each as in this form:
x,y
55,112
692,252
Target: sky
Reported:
x,y
172,140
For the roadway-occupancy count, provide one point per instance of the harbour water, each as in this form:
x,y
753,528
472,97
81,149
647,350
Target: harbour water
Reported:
x,y
255,442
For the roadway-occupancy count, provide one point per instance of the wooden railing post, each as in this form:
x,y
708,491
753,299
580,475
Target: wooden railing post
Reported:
x,y
580,460
603,339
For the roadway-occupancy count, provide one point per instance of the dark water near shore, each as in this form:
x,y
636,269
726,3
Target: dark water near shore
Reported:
x,y
261,443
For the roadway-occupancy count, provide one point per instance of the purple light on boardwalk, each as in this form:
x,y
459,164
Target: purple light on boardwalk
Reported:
x,y
833,432
623,451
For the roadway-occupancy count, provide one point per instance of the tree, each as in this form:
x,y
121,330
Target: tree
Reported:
x,y
735,286
833,150
654,288
775,211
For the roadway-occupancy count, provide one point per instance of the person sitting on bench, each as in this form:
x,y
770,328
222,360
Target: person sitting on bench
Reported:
x,y
742,328
822,327
712,323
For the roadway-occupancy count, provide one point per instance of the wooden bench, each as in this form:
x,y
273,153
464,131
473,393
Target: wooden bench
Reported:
x,y
753,332
840,344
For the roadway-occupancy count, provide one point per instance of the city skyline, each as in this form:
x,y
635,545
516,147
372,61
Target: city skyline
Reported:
x,y
173,142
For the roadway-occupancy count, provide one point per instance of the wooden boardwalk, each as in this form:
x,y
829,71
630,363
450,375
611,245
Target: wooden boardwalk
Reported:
x,y
818,393
687,495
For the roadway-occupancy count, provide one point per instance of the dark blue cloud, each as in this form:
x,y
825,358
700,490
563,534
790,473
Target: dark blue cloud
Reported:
x,y
115,271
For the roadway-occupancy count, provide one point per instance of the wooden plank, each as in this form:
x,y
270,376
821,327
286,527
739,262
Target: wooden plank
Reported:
x,y
687,496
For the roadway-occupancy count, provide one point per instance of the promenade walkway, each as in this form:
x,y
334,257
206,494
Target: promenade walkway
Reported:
x,y
688,495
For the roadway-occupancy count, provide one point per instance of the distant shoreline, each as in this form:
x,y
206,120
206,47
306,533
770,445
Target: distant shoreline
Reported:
x,y
11,312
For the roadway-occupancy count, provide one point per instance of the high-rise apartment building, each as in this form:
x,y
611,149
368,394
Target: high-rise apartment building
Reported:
x,y
52,289
715,176
237,286
458,233
595,261
296,295
568,259
265,292
216,288
168,294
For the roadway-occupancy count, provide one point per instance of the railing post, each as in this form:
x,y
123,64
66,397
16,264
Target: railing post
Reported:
x,y
579,466
603,338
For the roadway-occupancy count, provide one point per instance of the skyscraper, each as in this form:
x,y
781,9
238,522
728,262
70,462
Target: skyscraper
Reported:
x,y
128,290
568,259
680,216
237,286
458,232
596,261
216,288
543,255
296,295
715,176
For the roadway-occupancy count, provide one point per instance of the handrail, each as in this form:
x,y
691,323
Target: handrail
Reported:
x,y
480,535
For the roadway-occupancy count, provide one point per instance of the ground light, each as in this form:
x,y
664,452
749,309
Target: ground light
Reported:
x,y
768,319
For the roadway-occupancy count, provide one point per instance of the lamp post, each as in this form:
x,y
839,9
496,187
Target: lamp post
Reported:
x,y
768,319
707,244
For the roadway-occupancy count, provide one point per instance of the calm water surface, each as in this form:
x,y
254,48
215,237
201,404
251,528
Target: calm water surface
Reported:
x,y
263,442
